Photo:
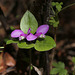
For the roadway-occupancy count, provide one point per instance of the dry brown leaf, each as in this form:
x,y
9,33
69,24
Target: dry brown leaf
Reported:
x,y
9,60
2,65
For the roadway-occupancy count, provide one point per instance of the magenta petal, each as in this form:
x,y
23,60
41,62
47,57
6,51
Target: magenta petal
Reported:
x,y
29,30
43,29
24,35
38,34
16,33
31,37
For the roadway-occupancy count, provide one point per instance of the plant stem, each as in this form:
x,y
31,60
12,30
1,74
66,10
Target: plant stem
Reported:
x,y
1,49
67,6
30,63
53,51
47,64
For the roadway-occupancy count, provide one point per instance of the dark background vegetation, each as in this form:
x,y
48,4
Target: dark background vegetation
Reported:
x,y
11,12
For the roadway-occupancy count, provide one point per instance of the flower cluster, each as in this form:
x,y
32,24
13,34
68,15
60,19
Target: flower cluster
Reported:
x,y
41,31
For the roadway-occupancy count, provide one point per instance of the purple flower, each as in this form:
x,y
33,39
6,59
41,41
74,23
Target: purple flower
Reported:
x,y
41,31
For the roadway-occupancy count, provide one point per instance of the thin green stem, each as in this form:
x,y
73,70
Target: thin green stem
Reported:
x,y
53,51
67,6
47,64
53,10
30,63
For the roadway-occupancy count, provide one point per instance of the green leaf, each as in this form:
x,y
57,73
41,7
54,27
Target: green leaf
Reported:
x,y
59,65
63,72
53,3
28,21
12,28
54,71
52,21
56,24
31,67
59,69
25,45
61,3
73,60
56,3
58,7
45,44
11,41
51,17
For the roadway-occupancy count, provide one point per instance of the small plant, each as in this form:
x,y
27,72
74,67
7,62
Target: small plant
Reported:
x,y
57,5
31,35
54,19
59,68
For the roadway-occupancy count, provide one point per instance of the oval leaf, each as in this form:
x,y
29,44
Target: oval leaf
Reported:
x,y
11,41
28,21
25,45
46,44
